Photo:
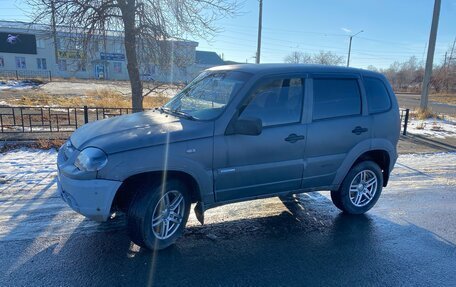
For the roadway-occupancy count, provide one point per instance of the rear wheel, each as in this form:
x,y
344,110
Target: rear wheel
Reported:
x,y
158,213
360,189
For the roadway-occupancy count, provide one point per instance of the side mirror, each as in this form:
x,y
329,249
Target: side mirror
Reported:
x,y
247,126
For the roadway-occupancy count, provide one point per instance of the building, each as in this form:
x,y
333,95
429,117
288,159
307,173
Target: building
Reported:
x,y
31,49
205,60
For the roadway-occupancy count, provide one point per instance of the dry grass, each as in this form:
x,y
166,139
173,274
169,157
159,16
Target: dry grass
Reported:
x,y
444,98
39,144
420,126
48,143
436,127
97,98
423,114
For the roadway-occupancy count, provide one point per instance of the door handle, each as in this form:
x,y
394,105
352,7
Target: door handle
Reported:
x,y
292,138
359,130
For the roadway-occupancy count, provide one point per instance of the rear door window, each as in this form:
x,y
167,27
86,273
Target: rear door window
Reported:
x,y
378,98
335,98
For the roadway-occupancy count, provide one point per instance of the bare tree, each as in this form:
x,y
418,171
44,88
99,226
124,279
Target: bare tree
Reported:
x,y
146,25
405,76
372,68
297,57
322,57
327,58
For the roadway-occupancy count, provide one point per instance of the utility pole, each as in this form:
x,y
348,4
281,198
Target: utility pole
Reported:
x,y
448,66
350,47
445,70
451,53
430,56
260,20
54,32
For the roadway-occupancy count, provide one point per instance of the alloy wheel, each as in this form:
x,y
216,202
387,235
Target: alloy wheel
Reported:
x,y
168,214
363,188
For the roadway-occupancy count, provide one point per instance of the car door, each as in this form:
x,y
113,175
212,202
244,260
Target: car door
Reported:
x,y
339,122
248,166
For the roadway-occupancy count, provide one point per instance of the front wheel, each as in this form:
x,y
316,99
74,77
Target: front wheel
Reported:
x,y
360,189
157,214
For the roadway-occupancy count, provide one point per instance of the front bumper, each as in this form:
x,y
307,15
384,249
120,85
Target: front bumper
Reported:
x,y
91,198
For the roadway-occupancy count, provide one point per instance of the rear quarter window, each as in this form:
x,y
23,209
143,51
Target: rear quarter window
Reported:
x,y
378,99
336,98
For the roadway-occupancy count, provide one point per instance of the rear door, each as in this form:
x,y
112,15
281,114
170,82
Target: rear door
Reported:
x,y
339,122
247,166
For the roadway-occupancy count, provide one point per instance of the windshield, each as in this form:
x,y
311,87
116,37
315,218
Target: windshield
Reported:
x,y
207,95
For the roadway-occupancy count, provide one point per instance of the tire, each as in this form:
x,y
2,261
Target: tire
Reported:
x,y
360,189
153,203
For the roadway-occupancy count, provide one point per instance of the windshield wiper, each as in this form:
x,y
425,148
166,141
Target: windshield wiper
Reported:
x,y
178,113
183,114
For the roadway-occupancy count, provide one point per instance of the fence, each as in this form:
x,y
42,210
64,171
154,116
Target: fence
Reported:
x,y
52,119
404,120
25,75
67,119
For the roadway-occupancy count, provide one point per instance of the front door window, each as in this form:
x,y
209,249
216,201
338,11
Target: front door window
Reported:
x,y
276,102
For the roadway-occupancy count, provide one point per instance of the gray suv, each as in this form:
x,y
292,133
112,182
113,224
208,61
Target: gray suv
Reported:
x,y
236,133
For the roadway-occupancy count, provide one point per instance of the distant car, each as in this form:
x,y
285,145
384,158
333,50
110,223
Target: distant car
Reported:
x,y
236,133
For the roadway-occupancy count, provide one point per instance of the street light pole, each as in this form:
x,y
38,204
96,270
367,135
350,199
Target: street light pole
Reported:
x,y
350,47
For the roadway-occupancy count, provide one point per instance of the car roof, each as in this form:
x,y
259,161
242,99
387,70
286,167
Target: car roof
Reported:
x,y
286,68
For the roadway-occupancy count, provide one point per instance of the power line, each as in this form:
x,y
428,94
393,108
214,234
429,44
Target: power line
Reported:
x,y
272,42
316,33
292,31
302,43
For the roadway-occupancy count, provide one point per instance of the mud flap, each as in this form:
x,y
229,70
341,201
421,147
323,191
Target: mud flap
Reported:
x,y
199,212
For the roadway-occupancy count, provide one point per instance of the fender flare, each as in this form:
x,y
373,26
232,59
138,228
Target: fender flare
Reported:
x,y
203,178
358,150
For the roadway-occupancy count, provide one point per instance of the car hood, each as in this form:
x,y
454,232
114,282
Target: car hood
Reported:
x,y
139,130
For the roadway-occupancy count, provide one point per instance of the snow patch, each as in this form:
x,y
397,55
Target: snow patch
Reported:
x,y
435,128
423,171
30,205
18,85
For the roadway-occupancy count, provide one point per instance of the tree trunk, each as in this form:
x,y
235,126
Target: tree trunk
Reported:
x,y
128,17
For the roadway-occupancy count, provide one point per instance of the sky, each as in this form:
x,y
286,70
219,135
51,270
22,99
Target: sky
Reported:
x,y
394,30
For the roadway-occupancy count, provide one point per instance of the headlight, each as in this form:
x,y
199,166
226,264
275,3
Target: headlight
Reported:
x,y
68,149
91,159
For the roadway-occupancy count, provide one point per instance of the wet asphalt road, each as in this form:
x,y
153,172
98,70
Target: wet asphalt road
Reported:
x,y
408,239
